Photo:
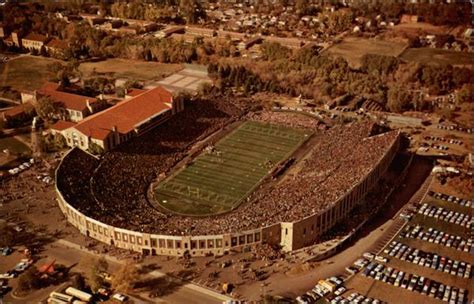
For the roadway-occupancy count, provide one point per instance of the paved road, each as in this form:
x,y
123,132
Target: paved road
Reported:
x,y
80,261
181,294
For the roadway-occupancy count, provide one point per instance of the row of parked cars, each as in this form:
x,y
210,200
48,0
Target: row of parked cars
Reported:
x,y
415,283
19,268
445,215
443,139
324,288
434,146
429,260
6,250
437,237
451,198
455,128
4,288
355,298
22,167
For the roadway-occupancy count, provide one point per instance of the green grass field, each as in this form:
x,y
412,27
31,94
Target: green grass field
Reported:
x,y
218,180
26,72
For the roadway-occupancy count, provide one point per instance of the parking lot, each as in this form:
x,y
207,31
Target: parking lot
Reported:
x,y
429,260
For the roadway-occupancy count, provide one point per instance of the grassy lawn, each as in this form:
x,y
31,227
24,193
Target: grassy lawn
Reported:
x,y
217,181
138,70
13,144
352,49
437,56
26,72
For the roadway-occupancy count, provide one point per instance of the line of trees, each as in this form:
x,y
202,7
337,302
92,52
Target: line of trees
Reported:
x,y
394,84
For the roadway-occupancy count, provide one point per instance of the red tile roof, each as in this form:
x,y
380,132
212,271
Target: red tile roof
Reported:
x,y
135,92
127,115
57,44
68,100
50,86
36,37
62,125
17,110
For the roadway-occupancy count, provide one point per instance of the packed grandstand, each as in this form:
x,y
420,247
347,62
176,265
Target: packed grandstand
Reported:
x,y
114,189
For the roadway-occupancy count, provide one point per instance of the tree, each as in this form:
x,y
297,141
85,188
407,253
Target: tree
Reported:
x,y
192,10
46,108
53,143
78,281
97,270
125,279
6,235
463,95
95,149
399,99
29,280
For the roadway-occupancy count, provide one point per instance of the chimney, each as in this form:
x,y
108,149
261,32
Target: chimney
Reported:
x,y
114,128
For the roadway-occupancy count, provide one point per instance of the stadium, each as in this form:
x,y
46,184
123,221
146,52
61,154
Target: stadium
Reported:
x,y
216,177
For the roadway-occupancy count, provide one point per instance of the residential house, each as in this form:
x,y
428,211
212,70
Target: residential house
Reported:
x,y
34,41
56,47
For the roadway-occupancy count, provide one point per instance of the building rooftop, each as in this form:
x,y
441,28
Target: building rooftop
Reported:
x,y
57,44
127,115
16,110
68,100
62,125
36,37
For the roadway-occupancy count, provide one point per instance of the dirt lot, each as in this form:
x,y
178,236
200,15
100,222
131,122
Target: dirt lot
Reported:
x,y
25,72
437,56
131,69
352,49
419,27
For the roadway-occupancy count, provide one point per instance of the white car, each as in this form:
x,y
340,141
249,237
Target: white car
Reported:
x,y
340,291
120,297
369,256
381,259
8,275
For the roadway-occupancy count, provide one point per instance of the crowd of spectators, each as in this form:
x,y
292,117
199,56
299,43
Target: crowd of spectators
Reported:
x,y
116,192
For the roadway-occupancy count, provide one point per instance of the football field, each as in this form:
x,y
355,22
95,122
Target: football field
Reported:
x,y
223,175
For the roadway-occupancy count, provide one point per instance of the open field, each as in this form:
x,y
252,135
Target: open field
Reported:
x,y
353,49
131,69
13,144
218,179
437,56
25,72
417,27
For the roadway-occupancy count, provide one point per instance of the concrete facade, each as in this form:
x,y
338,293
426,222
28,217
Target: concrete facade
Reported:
x,y
290,236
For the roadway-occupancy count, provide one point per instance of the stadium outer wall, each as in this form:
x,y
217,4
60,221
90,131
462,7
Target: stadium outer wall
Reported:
x,y
289,235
